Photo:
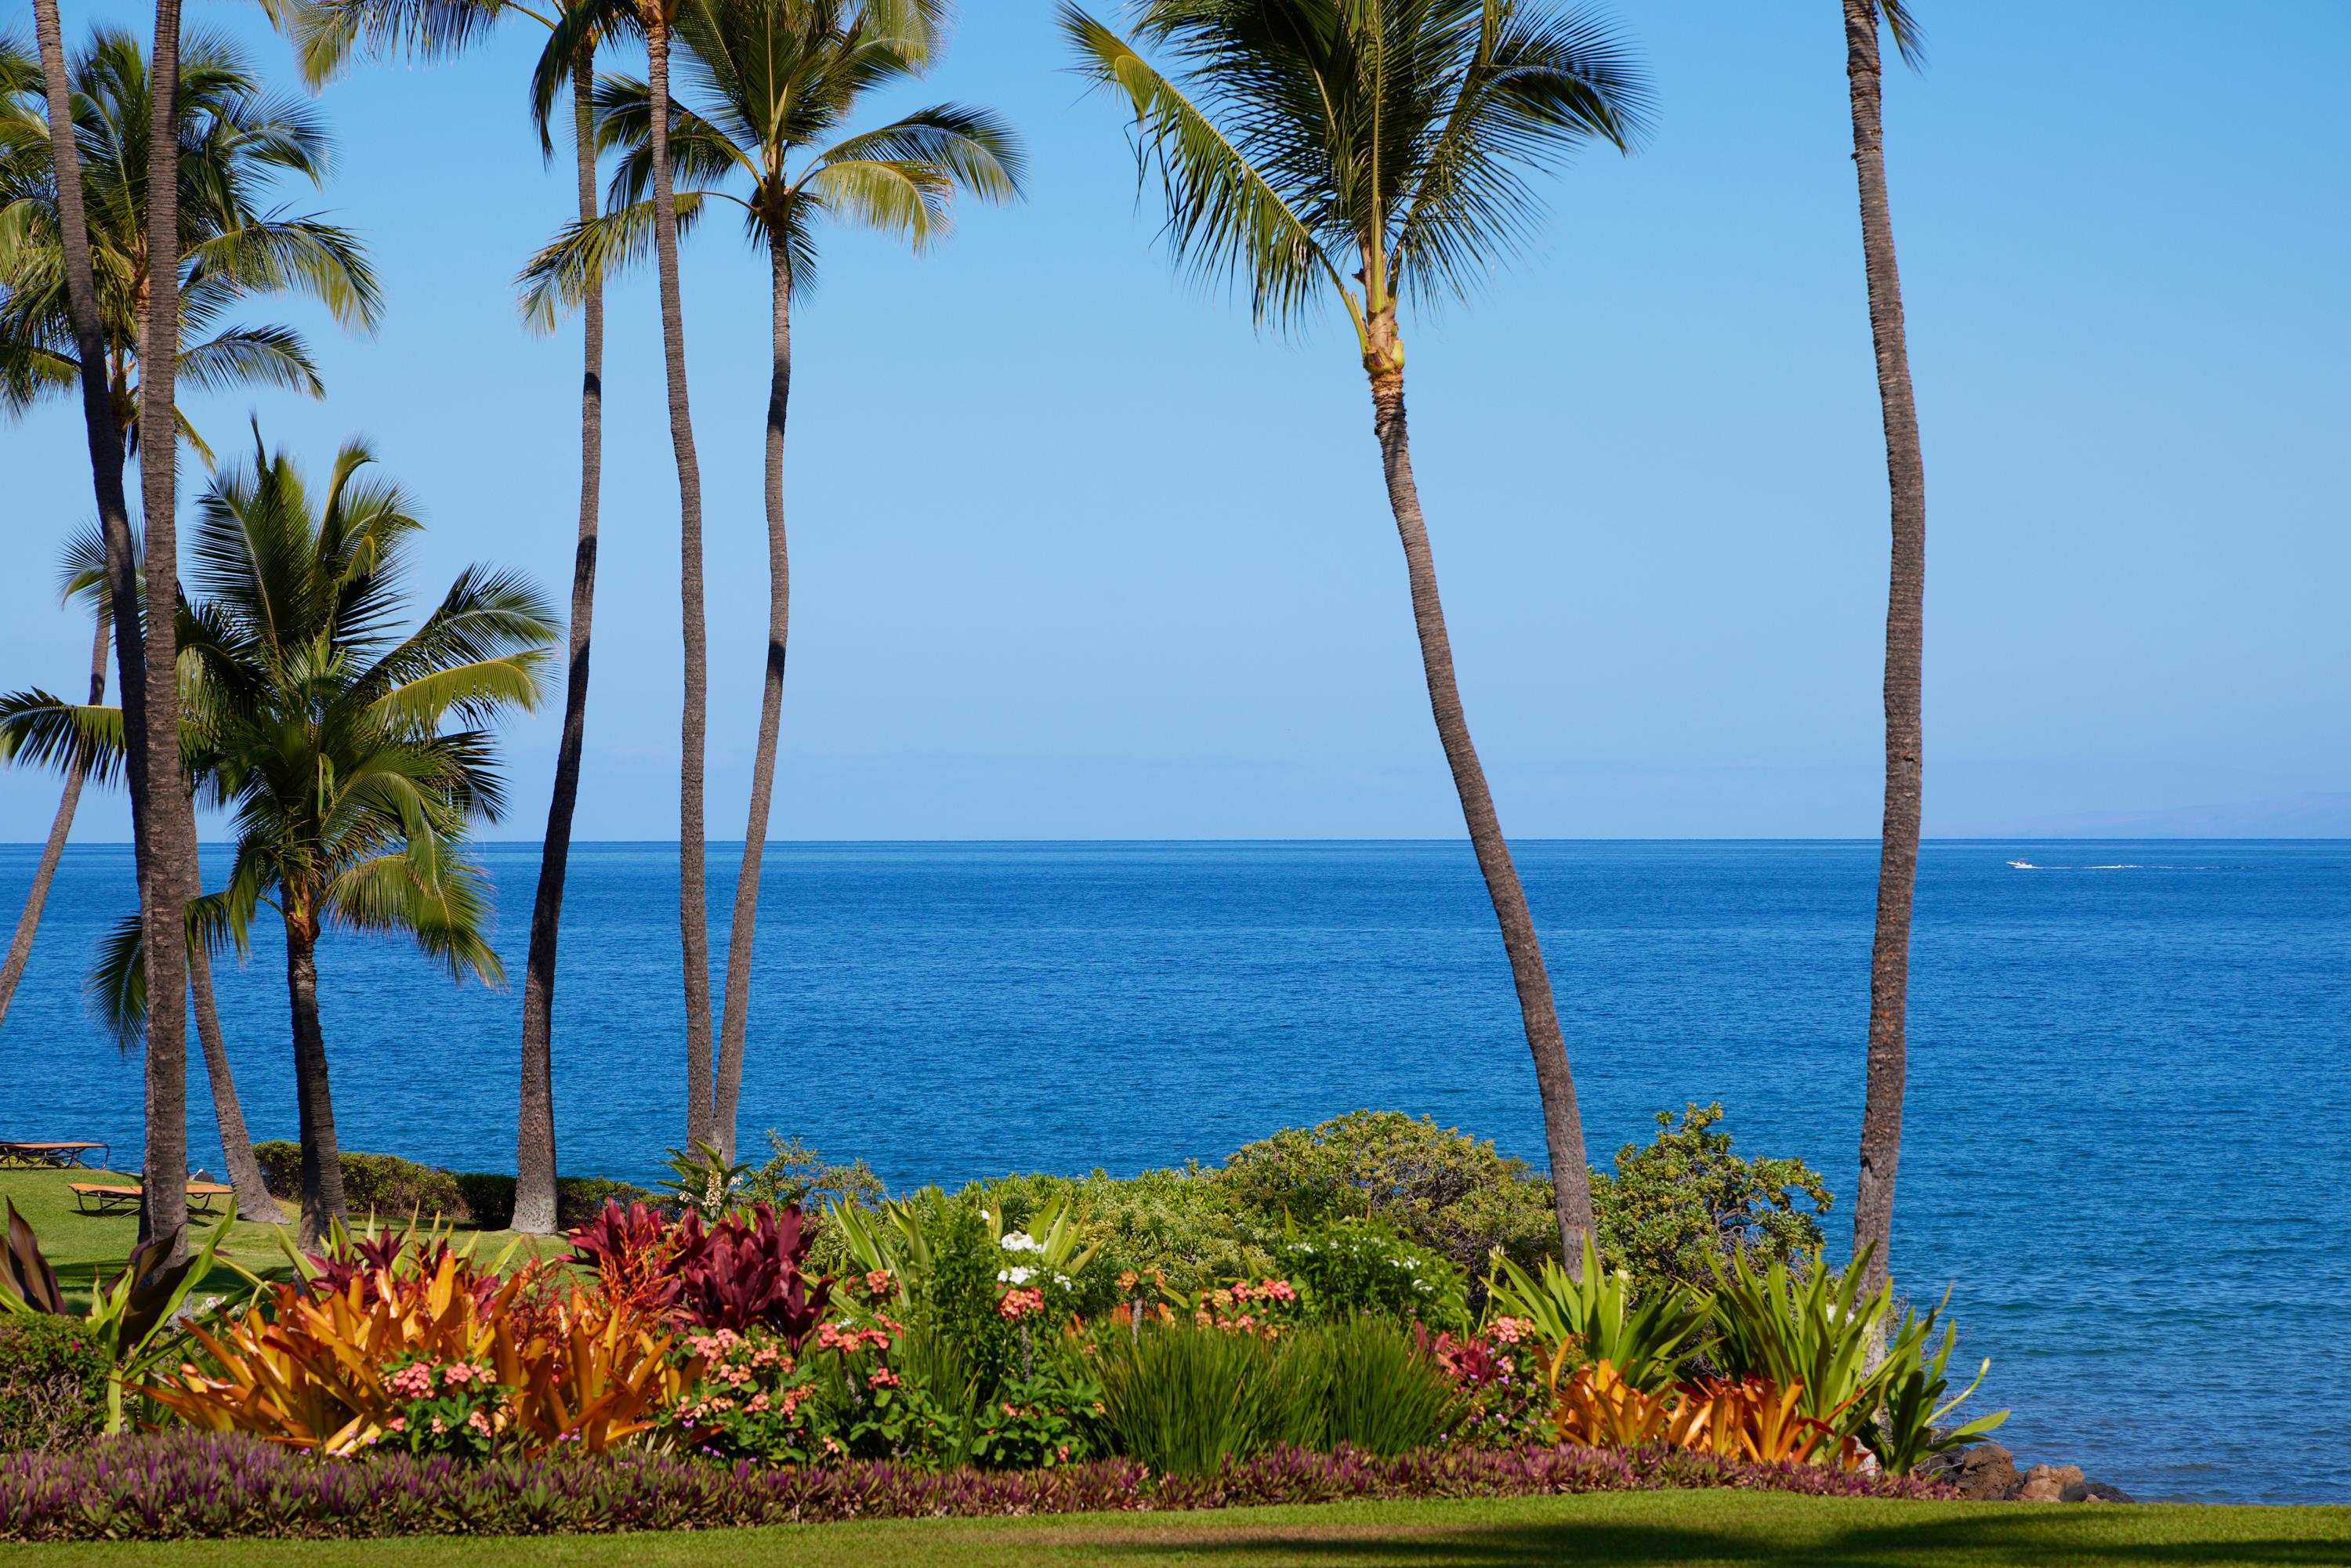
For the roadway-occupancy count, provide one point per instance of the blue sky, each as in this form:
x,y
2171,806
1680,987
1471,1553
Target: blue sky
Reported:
x,y
1077,554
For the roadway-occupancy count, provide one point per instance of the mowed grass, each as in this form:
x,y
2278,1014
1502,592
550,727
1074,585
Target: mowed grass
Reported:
x,y
1690,1530
81,1246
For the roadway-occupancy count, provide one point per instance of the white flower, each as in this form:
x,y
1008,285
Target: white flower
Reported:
x,y
1013,1277
1021,1241
1063,1280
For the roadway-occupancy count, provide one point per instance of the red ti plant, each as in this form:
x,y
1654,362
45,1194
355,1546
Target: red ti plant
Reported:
x,y
636,1252
745,1273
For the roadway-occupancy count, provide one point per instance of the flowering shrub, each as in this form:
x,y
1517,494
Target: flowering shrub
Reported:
x,y
1496,1372
839,1397
1050,1417
188,1485
445,1406
1263,1307
1362,1265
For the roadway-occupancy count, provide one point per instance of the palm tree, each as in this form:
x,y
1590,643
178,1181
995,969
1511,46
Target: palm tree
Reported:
x,y
236,143
323,733
326,33
83,581
1905,472
1380,149
776,79
577,30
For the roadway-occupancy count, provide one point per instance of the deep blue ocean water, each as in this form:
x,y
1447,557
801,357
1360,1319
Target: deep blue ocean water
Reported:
x,y
2125,1148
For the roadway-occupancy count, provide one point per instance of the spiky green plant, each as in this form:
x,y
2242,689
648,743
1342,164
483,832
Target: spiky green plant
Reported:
x,y
1592,1315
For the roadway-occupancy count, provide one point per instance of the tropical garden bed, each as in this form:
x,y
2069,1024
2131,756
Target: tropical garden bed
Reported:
x,y
784,1345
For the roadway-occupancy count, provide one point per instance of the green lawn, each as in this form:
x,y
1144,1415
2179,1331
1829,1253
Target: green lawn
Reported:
x,y
81,1245
1690,1530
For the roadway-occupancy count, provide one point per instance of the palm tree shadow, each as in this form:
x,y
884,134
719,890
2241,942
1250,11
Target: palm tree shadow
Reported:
x,y
2027,1538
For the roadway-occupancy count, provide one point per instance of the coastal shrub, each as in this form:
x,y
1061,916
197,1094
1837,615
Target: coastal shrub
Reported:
x,y
382,1185
795,1173
176,1486
486,1198
1435,1187
1355,1266
1673,1208
1501,1400
52,1381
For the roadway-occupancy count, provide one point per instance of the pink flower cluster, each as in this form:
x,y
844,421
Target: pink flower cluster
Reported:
x,y
415,1380
1280,1291
848,1340
1019,1304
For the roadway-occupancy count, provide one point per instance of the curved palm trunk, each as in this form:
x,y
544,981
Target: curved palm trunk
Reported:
x,y
53,849
535,1209
1563,1122
1897,864
254,1202
734,1019
693,900
322,1165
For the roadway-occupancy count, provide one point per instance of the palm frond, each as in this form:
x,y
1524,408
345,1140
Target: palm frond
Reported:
x,y
1226,219
252,356
46,731
580,259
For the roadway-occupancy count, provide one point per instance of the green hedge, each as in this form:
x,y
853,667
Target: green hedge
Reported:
x,y
393,1188
52,1382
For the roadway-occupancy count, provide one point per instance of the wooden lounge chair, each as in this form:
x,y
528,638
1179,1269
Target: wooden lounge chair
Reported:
x,y
122,1198
51,1154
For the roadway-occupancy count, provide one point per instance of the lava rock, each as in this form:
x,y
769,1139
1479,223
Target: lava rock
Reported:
x,y
2047,1483
2095,1491
1983,1472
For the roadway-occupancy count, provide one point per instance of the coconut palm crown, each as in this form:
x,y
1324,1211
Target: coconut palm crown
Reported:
x,y
234,143
1366,149
771,84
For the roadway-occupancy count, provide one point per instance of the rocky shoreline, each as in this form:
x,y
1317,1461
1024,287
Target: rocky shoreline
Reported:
x,y
1986,1472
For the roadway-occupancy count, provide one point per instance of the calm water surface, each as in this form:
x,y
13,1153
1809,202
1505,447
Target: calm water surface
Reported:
x,y
2126,1143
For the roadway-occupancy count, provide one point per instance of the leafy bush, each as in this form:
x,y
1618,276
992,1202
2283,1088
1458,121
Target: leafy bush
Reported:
x,y
52,1382
796,1174
1354,1266
1437,1186
1670,1211
189,1485
382,1185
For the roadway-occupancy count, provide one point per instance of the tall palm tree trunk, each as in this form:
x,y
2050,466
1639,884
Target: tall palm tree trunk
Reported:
x,y
322,1163
1897,863
1563,1122
535,1209
692,899
45,870
254,1202
170,818
734,1019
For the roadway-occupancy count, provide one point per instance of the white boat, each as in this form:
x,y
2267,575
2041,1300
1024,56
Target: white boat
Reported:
x,y
2024,865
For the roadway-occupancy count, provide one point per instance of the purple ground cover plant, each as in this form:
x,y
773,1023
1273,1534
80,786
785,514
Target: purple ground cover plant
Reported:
x,y
171,1486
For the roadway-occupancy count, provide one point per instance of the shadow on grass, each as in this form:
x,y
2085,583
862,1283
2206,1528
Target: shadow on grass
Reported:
x,y
2034,1537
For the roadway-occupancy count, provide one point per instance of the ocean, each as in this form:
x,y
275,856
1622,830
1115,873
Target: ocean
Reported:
x,y
2125,1148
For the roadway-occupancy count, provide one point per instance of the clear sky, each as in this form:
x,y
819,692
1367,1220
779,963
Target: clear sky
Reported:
x,y
1077,554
